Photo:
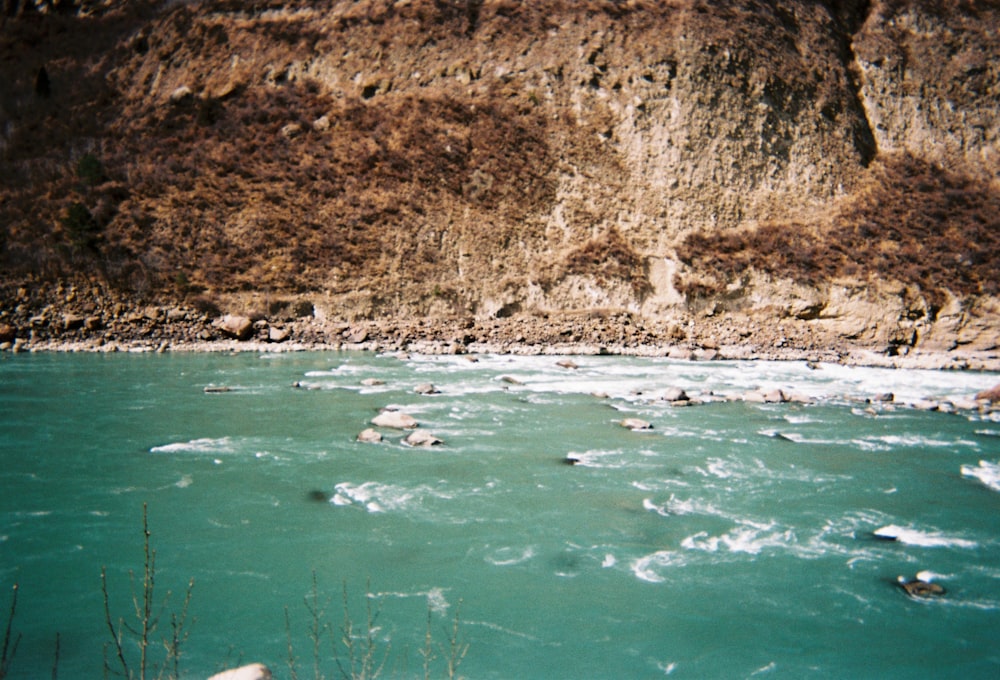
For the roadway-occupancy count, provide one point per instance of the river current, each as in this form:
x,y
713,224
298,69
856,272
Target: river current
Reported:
x,y
731,540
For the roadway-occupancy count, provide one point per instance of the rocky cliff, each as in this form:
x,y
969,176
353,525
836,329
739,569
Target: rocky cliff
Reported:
x,y
769,171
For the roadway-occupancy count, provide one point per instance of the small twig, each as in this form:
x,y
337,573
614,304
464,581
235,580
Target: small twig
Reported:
x,y
55,664
457,650
8,652
116,636
292,672
428,651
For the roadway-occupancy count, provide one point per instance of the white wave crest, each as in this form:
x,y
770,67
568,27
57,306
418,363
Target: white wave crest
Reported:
x,y
202,445
750,538
926,539
986,472
648,567
436,600
508,556
377,497
660,510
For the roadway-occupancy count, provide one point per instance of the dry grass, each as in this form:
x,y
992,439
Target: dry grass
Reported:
x,y
914,223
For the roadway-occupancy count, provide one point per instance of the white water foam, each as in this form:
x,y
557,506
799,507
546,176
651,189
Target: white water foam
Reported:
x,y
508,556
915,441
648,568
926,539
202,445
750,538
436,600
376,497
613,459
986,472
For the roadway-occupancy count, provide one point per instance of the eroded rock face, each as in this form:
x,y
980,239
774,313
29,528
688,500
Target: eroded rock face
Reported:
x,y
502,158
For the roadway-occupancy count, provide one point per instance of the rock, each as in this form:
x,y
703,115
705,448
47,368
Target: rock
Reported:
x,y
217,389
239,327
635,424
7,333
920,586
321,124
180,94
774,397
72,322
278,334
370,436
254,671
884,397
965,404
991,395
675,394
93,323
422,438
567,364
426,388
510,380
356,337
291,131
395,420
372,382
176,314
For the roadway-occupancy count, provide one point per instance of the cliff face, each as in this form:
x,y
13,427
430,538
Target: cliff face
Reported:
x,y
834,165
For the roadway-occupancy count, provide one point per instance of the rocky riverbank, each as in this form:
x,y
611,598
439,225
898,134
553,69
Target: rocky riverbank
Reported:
x,y
87,321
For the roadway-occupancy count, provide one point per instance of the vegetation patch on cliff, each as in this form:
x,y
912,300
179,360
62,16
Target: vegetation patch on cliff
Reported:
x,y
912,222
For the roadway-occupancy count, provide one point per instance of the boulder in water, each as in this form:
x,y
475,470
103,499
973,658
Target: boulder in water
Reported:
x,y
422,438
920,586
370,436
395,420
675,394
991,395
635,424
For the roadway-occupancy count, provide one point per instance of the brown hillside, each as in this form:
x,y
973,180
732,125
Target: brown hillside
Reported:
x,y
431,157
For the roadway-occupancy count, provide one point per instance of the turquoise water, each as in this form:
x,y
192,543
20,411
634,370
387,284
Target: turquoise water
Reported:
x,y
732,540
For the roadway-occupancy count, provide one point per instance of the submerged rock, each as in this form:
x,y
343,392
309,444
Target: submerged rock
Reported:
x,y
635,424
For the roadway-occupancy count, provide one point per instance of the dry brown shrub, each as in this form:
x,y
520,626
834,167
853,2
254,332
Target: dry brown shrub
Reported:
x,y
915,222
